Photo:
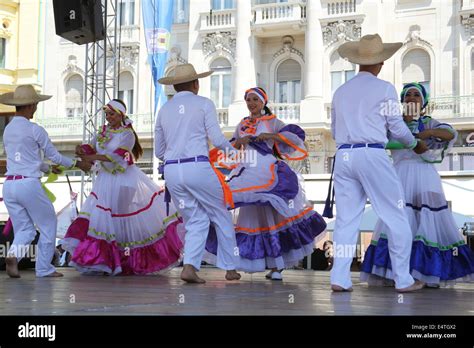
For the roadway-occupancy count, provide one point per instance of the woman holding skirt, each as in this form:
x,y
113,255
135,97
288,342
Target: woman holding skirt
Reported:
x,y
275,225
123,227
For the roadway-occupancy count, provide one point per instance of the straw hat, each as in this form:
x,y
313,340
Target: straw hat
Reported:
x,y
181,74
369,50
23,95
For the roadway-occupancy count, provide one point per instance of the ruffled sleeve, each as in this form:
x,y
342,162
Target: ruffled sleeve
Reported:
x,y
121,157
291,145
438,147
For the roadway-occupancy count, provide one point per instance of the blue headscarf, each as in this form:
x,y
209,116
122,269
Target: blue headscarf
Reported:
x,y
425,96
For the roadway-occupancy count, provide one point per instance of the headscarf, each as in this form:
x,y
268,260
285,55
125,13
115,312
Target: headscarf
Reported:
x,y
120,109
425,97
259,92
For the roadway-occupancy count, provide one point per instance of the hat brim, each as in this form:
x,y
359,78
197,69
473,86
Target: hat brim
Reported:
x,y
170,80
9,99
350,51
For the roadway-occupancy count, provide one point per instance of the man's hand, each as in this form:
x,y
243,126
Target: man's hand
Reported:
x,y
55,169
85,166
420,148
242,142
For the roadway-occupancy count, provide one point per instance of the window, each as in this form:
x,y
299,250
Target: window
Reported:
x,y
127,12
264,2
288,88
3,44
416,67
126,90
222,4
74,96
341,71
221,83
181,11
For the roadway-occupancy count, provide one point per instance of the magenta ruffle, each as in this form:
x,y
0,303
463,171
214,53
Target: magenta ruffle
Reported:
x,y
152,258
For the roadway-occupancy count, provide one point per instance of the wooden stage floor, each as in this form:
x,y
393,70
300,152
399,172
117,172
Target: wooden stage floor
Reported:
x,y
301,293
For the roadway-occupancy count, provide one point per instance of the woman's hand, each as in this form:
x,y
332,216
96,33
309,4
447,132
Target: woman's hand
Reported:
x,y
424,135
88,158
242,142
265,137
55,169
79,150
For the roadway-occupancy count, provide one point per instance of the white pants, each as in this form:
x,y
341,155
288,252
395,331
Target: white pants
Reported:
x,y
27,205
198,197
359,173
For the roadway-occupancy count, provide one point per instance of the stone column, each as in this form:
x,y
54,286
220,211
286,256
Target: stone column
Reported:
x,y
243,70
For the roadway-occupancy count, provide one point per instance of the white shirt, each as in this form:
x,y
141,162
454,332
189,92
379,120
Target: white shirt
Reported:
x,y
366,110
24,141
184,125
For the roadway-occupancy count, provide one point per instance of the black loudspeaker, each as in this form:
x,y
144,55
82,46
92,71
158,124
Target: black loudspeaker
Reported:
x,y
79,21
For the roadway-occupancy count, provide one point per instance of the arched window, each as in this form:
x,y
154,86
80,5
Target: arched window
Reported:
x,y
341,71
288,82
126,90
416,67
74,96
221,83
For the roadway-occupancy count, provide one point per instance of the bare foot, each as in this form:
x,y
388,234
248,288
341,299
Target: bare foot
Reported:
x,y
337,288
54,275
232,275
12,267
189,275
417,285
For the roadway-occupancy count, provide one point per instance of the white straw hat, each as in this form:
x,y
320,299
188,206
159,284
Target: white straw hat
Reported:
x,y
23,95
181,74
369,50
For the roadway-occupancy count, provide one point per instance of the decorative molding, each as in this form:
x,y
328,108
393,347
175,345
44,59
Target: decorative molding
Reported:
x,y
288,42
219,42
72,68
314,142
414,37
468,22
175,57
5,24
129,56
342,30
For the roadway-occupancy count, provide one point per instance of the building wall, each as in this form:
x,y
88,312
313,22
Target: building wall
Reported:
x,y
307,31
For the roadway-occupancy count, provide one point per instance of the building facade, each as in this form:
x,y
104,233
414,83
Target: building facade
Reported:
x,y
287,47
21,52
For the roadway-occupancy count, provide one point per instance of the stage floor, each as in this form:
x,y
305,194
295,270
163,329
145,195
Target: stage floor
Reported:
x,y
301,293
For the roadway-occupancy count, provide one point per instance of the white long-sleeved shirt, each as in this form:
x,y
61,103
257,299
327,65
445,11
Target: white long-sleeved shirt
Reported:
x,y
366,110
184,125
24,142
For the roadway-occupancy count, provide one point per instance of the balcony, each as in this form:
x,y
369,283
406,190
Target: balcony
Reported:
x,y
459,109
339,7
70,128
286,112
223,117
129,35
221,20
290,18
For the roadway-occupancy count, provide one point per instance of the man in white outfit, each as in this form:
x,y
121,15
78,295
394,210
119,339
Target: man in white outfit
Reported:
x,y
25,199
183,127
365,113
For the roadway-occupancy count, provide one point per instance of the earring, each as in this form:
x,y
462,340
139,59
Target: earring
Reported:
x,y
262,112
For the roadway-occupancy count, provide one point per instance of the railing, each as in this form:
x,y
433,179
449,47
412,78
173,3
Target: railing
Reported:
x,y
277,13
223,117
218,20
128,34
451,107
286,112
341,7
64,127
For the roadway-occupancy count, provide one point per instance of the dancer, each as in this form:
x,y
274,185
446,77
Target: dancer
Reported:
x,y
439,253
363,110
123,227
182,130
27,204
276,226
